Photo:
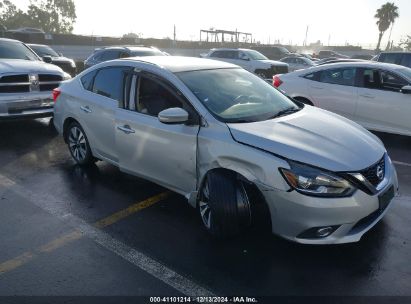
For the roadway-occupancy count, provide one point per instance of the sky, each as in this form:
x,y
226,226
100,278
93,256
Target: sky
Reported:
x,y
334,21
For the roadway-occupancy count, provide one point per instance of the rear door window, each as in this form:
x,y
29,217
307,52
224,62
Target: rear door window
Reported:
x,y
344,76
110,82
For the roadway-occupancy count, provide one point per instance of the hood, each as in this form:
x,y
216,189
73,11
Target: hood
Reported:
x,y
273,62
61,59
27,66
315,137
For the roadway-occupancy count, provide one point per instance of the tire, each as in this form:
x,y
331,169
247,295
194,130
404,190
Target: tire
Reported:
x,y
78,145
223,205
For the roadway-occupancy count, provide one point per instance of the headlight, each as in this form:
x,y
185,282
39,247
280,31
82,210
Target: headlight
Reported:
x,y
316,182
73,64
66,76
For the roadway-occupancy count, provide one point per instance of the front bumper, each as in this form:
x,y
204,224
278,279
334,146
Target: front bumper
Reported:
x,y
293,213
30,105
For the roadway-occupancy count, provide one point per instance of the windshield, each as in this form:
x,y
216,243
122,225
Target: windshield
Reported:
x,y
16,50
147,53
236,96
43,50
254,55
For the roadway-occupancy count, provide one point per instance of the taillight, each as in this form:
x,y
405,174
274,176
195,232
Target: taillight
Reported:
x,y
56,94
277,81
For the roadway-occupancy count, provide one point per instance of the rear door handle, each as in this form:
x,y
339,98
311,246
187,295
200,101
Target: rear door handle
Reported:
x,y
318,88
85,109
126,129
367,96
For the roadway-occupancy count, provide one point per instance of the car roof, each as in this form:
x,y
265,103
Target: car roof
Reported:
x,y
177,64
126,47
231,49
395,52
10,40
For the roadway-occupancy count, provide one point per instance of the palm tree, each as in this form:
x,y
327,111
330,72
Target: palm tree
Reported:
x,y
386,16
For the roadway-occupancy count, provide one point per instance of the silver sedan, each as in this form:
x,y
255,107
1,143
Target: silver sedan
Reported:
x,y
216,134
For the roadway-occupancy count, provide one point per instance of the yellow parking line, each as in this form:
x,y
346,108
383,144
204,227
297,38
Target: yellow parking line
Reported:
x,y
130,210
76,234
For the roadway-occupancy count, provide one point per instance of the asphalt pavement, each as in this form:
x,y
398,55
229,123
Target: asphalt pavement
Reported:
x,y
72,231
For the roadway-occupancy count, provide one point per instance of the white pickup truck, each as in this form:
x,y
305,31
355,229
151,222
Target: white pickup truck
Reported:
x,y
26,82
250,60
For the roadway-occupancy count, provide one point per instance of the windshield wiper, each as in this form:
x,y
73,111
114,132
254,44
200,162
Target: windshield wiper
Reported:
x,y
286,111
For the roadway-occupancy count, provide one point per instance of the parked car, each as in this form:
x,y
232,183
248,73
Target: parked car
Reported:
x,y
297,63
362,56
250,60
47,53
376,95
336,60
216,134
400,58
330,54
26,82
116,52
272,52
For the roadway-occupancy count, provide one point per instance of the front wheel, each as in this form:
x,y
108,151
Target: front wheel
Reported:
x,y
223,204
78,145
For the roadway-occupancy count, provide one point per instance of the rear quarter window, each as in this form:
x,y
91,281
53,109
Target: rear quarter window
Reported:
x,y
87,80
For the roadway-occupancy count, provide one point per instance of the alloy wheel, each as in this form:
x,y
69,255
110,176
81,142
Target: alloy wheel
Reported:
x,y
77,144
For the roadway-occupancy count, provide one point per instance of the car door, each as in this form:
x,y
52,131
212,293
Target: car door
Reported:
x,y
381,105
333,89
163,153
244,61
99,107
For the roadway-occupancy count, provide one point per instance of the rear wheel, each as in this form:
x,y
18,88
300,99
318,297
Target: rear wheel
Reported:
x,y
78,145
223,204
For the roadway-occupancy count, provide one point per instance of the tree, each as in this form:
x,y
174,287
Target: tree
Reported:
x,y
53,16
406,44
386,16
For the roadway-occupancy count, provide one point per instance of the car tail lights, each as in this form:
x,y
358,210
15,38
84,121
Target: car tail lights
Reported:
x,y
277,81
56,94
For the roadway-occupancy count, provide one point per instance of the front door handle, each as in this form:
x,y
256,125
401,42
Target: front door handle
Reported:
x,y
126,129
85,109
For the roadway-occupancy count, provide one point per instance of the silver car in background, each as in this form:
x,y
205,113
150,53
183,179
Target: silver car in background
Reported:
x,y
227,140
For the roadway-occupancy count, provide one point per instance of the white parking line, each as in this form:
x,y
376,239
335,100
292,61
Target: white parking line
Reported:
x,y
50,204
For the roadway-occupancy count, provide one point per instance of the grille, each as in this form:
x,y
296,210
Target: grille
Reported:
x,y
371,173
15,89
279,69
49,77
48,87
19,83
14,78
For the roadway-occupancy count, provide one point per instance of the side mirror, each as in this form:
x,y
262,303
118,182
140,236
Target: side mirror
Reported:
x,y
406,89
60,54
173,116
47,59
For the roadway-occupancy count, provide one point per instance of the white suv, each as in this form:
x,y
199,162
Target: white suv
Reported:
x,y
228,141
250,60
